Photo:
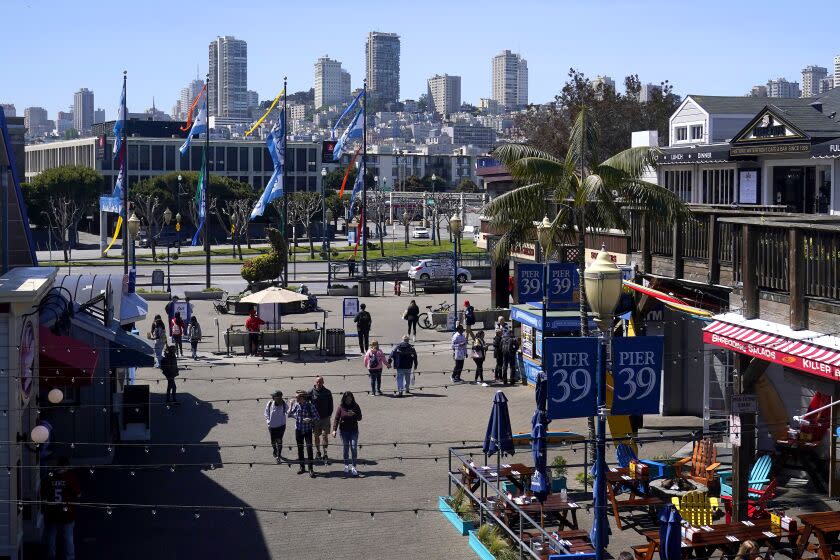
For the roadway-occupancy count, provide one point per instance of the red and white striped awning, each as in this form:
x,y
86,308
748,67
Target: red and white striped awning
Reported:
x,y
806,351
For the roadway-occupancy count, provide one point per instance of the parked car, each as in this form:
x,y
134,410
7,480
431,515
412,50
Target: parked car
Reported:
x,y
425,269
143,239
420,233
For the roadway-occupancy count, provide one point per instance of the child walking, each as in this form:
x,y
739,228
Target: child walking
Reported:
x,y
194,334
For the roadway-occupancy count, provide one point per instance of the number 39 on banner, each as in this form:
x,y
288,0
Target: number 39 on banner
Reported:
x,y
571,366
637,370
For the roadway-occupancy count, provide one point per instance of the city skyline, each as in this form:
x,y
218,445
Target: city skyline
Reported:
x,y
549,54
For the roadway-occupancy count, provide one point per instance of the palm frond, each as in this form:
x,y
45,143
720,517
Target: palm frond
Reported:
x,y
633,161
662,205
583,140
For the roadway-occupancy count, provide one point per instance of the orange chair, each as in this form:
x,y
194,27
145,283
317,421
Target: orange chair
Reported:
x,y
701,466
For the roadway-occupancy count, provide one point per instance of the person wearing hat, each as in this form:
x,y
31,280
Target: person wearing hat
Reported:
x,y
275,419
469,319
403,358
305,415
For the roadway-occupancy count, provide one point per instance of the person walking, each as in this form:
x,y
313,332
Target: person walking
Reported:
x,y
169,366
469,319
397,288
479,352
346,423
194,334
509,347
252,325
374,362
275,418
459,352
404,358
305,415
351,266
59,491
363,322
322,399
158,334
412,316
170,312
177,329
501,330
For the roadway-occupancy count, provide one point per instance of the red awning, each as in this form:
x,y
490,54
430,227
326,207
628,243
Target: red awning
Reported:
x,y
64,360
802,354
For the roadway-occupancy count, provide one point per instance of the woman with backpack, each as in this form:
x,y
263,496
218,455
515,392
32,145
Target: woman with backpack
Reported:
x,y
412,316
158,334
374,362
479,352
194,334
177,330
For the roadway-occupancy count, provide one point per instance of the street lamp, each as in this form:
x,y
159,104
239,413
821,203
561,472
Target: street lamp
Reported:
x,y
406,220
325,225
455,225
133,230
329,218
544,237
602,280
167,219
178,214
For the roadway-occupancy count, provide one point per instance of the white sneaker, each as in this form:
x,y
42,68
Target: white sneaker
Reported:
x,y
484,384
346,468
353,471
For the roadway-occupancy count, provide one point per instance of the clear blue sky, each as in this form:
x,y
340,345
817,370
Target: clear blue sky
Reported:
x,y
711,47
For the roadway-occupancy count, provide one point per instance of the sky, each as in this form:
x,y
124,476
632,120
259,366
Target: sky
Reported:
x,y
53,48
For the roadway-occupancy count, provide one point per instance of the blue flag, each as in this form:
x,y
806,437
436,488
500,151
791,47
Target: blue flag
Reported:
x,y
276,144
119,124
200,194
354,130
198,127
347,112
357,189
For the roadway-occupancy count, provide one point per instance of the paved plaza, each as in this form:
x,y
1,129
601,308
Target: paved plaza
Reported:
x,y
247,477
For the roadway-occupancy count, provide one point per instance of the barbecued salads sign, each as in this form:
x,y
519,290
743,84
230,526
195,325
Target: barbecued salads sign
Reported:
x,y
572,363
637,373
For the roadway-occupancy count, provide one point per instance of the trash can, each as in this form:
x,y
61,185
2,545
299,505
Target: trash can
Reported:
x,y
294,342
364,287
335,342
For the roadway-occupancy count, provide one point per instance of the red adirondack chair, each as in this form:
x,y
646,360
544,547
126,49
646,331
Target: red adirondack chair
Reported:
x,y
815,427
756,507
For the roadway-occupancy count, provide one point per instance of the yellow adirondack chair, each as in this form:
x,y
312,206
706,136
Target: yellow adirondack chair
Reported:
x,y
696,507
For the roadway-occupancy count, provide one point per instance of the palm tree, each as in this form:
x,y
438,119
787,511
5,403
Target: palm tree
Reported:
x,y
577,194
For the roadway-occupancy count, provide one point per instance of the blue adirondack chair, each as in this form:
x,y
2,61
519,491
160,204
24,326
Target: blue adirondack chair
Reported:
x,y
759,477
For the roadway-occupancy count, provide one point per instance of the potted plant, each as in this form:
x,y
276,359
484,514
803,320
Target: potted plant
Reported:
x,y
558,473
207,293
458,510
489,543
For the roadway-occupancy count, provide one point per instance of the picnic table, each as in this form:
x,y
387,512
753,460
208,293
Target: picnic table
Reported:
x,y
554,507
826,527
517,474
726,537
621,479
576,541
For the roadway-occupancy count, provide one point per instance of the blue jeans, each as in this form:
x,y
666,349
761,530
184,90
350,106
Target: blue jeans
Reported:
x,y
350,441
403,380
375,381
66,529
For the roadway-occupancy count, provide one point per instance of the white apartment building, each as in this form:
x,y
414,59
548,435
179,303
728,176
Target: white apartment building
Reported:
x,y
510,80
780,87
811,77
186,97
83,110
36,121
228,87
332,82
444,94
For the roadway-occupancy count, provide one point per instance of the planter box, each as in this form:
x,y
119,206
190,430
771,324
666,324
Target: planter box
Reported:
x,y
460,525
558,483
310,337
479,548
439,319
352,291
155,297
203,295
489,316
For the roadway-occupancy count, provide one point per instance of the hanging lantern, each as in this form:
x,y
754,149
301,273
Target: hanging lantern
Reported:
x,y
40,434
55,396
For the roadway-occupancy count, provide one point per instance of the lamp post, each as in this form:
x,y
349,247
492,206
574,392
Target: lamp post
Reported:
x,y
325,223
406,220
544,238
167,219
602,280
455,225
133,230
178,214
329,218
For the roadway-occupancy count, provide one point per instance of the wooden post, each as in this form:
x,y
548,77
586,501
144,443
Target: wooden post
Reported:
x,y
647,258
796,280
677,249
714,250
743,454
499,296
749,272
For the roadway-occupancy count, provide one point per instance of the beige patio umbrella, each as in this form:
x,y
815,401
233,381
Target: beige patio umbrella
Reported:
x,y
275,295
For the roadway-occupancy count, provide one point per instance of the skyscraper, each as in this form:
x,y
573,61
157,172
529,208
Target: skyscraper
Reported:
x,y
64,122
186,97
444,94
647,91
332,82
510,80
99,116
837,68
35,120
782,88
826,84
83,110
811,77
228,91
382,55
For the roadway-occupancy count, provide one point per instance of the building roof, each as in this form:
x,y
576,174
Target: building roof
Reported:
x,y
813,123
718,104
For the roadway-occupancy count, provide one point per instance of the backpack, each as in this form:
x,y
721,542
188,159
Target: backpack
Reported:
x,y
507,345
469,315
373,361
363,321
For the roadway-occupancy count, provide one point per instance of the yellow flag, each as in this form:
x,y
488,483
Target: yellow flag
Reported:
x,y
262,118
116,236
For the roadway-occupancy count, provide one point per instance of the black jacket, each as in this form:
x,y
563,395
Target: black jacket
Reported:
x,y
363,321
403,356
322,399
413,312
169,365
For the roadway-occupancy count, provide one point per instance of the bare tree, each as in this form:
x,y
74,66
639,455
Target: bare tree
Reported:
x,y
147,205
63,218
211,203
233,218
303,206
378,210
444,205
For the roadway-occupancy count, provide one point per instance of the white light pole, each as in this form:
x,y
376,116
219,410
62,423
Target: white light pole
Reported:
x,y
133,230
455,226
167,219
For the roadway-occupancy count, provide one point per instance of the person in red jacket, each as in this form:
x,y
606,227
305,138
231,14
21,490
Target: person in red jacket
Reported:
x,y
252,325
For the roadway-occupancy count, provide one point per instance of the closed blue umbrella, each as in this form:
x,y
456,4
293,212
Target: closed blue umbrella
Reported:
x,y
600,525
499,437
539,430
541,391
670,533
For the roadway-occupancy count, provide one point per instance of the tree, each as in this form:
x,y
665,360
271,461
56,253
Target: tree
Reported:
x,y
233,216
59,197
377,208
467,185
71,134
334,205
148,205
303,205
63,217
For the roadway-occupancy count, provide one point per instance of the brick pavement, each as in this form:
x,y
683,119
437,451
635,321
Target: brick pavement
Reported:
x,y
453,413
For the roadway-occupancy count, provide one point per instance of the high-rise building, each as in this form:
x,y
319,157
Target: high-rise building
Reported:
x,y
185,99
444,94
332,82
826,84
253,102
837,68
64,122
783,88
99,116
382,56
35,120
811,77
83,110
758,91
647,92
510,80
9,109
600,84
228,90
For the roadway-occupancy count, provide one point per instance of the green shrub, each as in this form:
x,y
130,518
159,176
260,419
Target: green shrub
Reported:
x,y
212,289
583,477
558,466
262,268
339,286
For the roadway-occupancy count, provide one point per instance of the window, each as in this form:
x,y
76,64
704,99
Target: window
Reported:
x,y
697,132
157,158
681,133
718,186
144,157
170,158
679,182
257,158
243,159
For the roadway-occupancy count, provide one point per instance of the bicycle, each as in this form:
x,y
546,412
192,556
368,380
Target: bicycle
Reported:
x,y
425,318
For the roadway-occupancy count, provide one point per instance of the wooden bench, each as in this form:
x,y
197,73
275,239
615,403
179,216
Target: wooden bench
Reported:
x,y
633,503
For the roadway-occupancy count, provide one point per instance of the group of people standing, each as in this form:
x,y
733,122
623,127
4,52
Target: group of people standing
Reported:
x,y
505,346
169,346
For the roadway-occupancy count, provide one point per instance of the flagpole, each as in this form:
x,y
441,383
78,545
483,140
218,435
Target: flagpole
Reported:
x,y
364,180
125,177
284,224
207,190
